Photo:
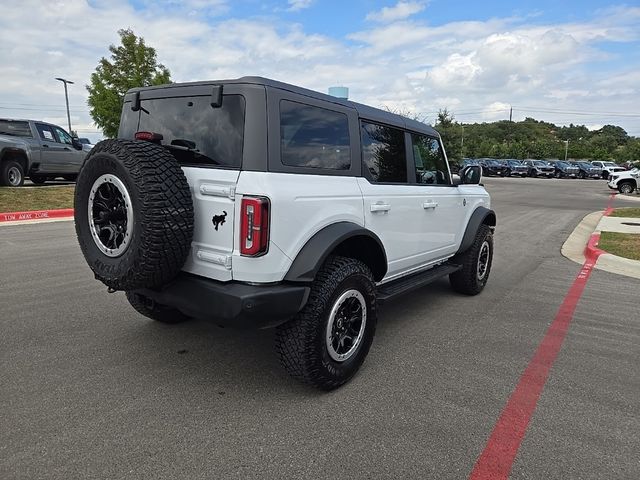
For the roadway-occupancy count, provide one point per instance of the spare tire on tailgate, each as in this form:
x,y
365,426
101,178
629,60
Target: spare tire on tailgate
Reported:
x,y
133,214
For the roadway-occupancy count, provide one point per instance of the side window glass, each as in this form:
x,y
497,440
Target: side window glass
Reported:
x,y
383,153
428,157
314,137
45,132
63,137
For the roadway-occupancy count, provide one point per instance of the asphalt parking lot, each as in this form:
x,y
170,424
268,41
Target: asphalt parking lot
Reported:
x,y
90,389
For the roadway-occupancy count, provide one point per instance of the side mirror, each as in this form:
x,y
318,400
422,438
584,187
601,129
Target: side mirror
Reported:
x,y
470,175
76,143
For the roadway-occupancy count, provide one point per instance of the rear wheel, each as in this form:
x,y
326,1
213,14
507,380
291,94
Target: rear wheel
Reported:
x,y
582,175
476,264
153,310
327,342
11,174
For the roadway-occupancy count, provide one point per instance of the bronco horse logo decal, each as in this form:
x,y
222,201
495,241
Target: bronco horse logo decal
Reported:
x,y
219,219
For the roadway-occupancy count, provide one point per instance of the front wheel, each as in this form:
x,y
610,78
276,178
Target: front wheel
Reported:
x,y
327,342
626,187
476,264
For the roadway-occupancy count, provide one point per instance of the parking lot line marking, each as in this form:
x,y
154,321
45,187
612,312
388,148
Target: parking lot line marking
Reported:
x,y
497,458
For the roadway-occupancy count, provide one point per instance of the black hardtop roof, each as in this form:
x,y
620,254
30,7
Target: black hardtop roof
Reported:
x,y
364,111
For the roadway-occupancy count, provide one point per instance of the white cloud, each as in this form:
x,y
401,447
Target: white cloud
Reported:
x,y
399,11
473,68
297,5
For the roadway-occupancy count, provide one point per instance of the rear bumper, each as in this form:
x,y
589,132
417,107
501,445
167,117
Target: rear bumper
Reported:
x,y
231,304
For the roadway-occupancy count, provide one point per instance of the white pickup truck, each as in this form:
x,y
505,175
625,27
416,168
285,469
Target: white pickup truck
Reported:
x,y
624,182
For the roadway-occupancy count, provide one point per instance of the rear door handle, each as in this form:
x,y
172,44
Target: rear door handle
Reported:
x,y
380,207
428,205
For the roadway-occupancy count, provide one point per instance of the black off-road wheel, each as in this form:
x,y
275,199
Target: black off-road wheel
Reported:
x,y
133,214
150,309
476,264
11,174
327,342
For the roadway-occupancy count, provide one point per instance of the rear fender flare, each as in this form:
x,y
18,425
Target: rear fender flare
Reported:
x,y
332,239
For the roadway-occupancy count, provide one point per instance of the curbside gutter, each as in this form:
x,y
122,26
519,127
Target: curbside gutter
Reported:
x,y
13,218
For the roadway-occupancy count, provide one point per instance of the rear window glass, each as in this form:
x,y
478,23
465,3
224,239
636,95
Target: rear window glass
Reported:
x,y
194,131
314,137
14,128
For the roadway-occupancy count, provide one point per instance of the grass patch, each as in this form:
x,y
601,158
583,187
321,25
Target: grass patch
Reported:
x,y
626,212
23,199
622,244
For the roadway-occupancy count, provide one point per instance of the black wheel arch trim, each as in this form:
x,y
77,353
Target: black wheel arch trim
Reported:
x,y
330,239
480,216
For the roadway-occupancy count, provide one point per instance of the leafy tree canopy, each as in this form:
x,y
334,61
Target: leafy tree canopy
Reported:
x,y
532,138
132,64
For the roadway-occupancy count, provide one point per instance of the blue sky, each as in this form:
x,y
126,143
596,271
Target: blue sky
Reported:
x,y
478,59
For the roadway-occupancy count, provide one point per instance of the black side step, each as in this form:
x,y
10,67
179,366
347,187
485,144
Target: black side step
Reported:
x,y
412,282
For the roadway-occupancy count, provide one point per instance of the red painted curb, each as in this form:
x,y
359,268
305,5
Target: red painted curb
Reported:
x,y
496,460
35,215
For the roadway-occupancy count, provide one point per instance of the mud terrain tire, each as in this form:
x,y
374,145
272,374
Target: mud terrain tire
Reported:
x,y
133,214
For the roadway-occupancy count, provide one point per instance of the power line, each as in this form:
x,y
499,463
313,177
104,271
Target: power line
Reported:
x,y
44,109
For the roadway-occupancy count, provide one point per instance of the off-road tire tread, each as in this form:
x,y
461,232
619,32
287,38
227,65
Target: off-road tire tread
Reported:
x,y
166,216
296,340
465,280
160,313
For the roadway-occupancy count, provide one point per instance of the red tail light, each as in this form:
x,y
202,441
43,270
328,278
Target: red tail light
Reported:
x,y
148,136
254,226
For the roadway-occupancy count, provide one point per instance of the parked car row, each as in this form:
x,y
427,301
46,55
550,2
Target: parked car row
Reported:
x,y
38,150
543,168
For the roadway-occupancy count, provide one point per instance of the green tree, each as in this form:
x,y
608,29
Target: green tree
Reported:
x,y
132,64
451,133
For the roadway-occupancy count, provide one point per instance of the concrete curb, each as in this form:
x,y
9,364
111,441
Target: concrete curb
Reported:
x,y
584,239
20,218
631,196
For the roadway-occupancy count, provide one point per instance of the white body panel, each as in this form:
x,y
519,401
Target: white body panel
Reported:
x,y
212,191
419,225
301,205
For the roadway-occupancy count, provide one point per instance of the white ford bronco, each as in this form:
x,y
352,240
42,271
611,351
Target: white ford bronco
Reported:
x,y
253,203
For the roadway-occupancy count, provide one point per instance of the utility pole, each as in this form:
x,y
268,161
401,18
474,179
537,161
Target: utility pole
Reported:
x,y
566,149
66,97
510,112
462,143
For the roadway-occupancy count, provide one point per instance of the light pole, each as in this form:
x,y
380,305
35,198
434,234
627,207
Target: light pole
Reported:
x,y
566,149
66,97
